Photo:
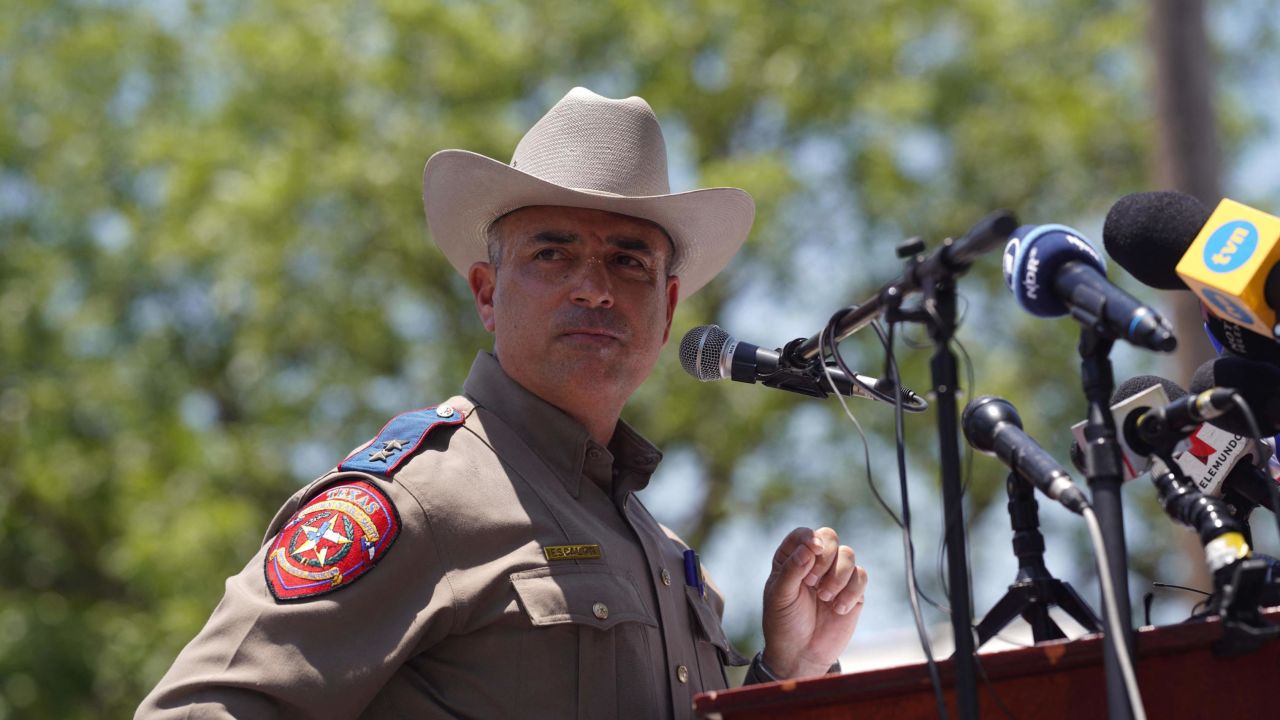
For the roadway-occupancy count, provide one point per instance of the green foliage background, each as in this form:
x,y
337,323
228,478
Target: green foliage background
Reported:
x,y
215,276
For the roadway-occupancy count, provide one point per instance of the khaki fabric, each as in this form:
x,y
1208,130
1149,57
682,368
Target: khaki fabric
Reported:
x,y
465,616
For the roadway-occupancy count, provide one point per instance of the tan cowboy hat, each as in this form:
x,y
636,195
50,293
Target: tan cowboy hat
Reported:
x,y
590,152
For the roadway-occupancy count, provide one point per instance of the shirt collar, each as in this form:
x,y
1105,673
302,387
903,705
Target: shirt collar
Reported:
x,y
557,438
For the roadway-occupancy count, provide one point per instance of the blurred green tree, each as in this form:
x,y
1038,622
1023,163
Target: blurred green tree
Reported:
x,y
215,277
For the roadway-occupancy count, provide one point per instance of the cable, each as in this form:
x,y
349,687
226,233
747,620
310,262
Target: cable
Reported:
x,y
1272,491
827,339
866,450
1115,633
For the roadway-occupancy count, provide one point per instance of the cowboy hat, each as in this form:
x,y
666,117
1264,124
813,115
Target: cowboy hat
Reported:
x,y
589,152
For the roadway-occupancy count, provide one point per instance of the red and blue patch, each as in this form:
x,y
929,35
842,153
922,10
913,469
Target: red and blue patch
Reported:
x,y
333,540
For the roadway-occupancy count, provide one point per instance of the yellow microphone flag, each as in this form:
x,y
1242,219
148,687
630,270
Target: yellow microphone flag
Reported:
x,y
1229,263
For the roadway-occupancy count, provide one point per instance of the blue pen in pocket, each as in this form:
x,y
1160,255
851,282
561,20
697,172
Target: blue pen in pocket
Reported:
x,y
693,572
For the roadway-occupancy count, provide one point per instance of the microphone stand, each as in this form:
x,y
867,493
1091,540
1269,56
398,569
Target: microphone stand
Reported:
x,y
934,275
1103,472
1034,590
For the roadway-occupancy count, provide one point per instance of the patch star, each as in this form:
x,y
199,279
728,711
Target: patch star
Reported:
x,y
393,445
380,455
314,536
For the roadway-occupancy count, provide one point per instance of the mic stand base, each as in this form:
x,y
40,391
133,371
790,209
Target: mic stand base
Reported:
x,y
1035,590
1032,599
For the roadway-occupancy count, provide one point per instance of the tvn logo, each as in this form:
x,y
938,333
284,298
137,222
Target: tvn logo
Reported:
x,y
1227,306
1230,246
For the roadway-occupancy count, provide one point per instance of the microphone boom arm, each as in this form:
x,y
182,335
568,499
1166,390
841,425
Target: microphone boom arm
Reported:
x,y
953,258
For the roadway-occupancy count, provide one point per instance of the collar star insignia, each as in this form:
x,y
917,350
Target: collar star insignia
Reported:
x,y
380,455
393,445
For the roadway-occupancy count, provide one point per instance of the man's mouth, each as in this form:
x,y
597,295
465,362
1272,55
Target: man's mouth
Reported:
x,y
588,333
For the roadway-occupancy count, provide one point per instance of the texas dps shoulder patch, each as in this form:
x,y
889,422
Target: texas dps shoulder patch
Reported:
x,y
338,536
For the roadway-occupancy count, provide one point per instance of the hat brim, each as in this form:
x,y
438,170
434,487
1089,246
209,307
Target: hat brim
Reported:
x,y
463,192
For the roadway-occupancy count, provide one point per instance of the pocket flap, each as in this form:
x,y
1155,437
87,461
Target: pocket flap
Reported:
x,y
712,631
594,596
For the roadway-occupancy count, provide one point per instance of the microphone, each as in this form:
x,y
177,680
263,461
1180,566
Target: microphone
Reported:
x,y
1160,428
1147,233
1053,271
1153,415
1129,399
708,353
992,425
1231,265
1231,339
1227,257
1218,461
1257,383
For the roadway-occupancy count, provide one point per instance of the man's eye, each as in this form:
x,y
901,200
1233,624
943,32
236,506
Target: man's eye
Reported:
x,y
629,261
549,253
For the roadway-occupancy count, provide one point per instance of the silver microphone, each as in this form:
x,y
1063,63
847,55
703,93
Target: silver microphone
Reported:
x,y
709,353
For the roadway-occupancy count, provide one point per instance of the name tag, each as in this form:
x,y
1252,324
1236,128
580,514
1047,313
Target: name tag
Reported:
x,y
572,552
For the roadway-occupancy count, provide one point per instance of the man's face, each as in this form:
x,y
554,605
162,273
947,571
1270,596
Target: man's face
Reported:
x,y
580,302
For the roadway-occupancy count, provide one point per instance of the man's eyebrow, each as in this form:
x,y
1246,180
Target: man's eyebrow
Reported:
x,y
556,237
626,242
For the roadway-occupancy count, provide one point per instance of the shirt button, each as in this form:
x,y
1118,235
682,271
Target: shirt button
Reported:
x,y
445,411
601,610
666,577
682,674
594,453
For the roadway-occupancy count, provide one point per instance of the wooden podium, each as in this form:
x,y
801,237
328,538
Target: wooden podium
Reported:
x,y
1178,675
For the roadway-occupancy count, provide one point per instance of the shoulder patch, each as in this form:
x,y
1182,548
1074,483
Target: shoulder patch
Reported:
x,y
331,541
400,439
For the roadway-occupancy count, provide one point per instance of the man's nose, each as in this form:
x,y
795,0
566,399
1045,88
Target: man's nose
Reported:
x,y
594,287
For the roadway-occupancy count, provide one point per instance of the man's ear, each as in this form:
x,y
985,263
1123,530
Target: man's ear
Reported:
x,y
482,277
673,297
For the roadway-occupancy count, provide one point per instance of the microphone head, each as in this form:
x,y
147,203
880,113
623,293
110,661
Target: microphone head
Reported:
x,y
1138,383
983,416
1147,233
701,350
1258,383
1032,259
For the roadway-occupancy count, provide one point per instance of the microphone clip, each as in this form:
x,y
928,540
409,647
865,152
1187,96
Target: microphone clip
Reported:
x,y
798,376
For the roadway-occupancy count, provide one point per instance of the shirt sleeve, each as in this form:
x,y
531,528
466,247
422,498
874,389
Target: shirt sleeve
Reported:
x,y
321,656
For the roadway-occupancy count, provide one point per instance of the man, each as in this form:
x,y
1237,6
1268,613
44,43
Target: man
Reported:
x,y
488,557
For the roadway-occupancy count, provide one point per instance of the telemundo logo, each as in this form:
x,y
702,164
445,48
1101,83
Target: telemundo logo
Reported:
x,y
1230,246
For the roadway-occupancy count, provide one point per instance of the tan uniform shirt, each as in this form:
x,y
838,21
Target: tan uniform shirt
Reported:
x,y
465,615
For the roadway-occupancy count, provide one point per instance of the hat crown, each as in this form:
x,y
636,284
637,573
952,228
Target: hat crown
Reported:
x,y
589,142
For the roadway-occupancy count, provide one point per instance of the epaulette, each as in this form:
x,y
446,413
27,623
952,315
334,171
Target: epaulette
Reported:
x,y
400,439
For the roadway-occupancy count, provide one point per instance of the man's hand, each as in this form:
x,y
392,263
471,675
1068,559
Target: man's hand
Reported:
x,y
812,601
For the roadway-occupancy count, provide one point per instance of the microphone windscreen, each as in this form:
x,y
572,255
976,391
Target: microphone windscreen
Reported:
x,y
1259,385
1147,234
1135,385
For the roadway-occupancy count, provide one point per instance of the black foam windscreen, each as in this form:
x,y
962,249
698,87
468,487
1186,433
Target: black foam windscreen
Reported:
x,y
1147,233
1258,383
1137,384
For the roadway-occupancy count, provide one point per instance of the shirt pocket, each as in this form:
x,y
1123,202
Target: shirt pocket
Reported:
x,y
589,621
713,647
